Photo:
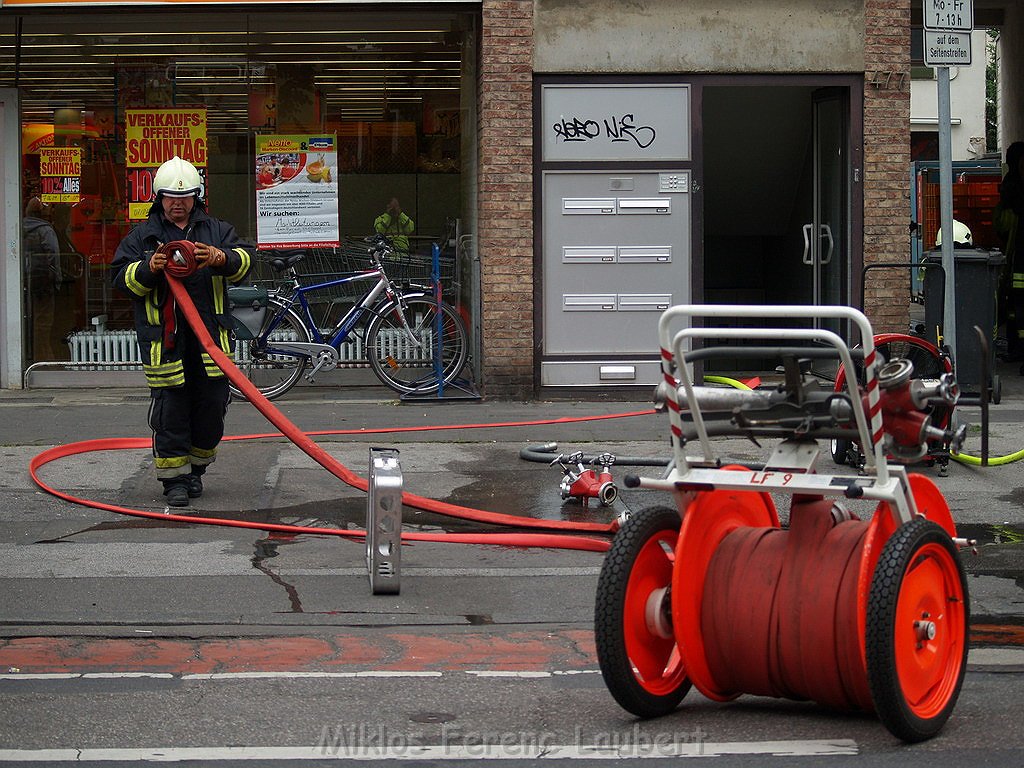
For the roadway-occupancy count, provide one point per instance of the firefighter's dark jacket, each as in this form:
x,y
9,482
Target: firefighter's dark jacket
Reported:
x,y
162,362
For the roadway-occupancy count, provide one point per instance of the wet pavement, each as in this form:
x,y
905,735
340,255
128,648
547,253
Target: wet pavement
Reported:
x,y
472,461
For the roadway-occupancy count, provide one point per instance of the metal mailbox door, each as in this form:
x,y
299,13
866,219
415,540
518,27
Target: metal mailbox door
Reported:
x,y
616,255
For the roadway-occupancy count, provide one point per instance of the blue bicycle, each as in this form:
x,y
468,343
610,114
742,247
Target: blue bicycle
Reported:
x,y
408,337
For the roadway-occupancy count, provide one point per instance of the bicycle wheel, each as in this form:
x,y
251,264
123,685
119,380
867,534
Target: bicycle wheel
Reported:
x,y
407,364
272,371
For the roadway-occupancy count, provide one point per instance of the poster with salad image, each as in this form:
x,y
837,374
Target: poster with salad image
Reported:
x,y
296,192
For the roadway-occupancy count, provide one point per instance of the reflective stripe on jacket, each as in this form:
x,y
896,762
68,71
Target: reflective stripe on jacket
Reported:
x,y
207,287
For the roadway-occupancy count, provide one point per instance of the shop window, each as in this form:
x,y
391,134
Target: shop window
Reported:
x,y
391,92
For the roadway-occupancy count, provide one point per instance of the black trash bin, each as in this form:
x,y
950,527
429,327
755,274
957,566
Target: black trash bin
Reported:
x,y
977,282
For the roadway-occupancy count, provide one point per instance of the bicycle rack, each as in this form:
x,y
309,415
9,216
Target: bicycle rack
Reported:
x,y
384,522
463,388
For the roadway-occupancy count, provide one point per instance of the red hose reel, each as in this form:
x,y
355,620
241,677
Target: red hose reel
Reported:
x,y
714,593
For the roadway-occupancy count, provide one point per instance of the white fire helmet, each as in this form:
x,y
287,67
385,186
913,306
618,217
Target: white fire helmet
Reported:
x,y
177,178
961,235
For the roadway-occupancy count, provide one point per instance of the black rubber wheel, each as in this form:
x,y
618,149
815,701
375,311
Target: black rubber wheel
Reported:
x,y
273,372
636,648
409,367
841,450
918,619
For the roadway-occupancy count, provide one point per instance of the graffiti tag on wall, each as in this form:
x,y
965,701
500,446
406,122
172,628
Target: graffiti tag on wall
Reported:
x,y
622,128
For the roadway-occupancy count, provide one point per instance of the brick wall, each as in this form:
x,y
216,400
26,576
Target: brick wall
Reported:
x,y
505,197
887,159
505,181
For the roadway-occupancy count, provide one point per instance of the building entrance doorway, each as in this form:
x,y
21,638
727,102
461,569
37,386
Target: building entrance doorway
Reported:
x,y
779,174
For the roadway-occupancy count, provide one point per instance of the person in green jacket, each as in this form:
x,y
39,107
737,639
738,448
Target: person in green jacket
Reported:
x,y
1006,219
395,225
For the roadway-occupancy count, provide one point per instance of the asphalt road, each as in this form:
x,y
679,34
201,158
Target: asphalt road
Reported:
x,y
126,639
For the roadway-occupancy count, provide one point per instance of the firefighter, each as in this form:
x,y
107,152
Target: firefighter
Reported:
x,y
188,393
962,237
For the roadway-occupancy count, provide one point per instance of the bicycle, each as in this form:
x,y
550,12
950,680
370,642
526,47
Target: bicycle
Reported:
x,y
411,339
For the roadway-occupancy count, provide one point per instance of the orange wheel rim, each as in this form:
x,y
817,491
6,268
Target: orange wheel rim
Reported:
x,y
930,503
655,658
930,630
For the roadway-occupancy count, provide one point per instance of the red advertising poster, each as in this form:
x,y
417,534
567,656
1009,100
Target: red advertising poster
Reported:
x,y
60,174
154,136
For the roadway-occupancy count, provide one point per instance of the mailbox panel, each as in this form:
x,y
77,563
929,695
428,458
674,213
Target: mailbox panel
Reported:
x,y
616,253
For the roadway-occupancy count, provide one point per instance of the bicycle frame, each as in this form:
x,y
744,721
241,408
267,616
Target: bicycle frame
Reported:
x,y
325,348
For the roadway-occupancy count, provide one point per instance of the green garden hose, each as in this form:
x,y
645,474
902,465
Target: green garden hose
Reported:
x,y
996,461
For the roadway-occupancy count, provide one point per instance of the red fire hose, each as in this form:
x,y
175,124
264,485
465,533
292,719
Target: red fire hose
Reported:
x,y
176,270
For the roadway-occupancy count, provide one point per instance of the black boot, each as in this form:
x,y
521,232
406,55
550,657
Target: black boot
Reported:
x,y
195,485
176,492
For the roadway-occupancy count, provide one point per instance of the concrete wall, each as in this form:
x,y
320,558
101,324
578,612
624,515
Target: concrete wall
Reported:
x,y
641,36
1011,77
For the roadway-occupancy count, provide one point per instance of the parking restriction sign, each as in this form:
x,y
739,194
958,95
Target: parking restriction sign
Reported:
x,y
949,15
947,49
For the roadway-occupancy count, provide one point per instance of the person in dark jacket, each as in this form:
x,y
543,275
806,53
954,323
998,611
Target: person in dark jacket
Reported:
x,y
189,393
42,267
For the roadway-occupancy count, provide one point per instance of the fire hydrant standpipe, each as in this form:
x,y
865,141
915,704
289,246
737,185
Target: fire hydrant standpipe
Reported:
x,y
585,484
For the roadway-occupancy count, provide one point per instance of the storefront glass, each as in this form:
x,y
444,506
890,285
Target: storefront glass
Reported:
x,y
390,88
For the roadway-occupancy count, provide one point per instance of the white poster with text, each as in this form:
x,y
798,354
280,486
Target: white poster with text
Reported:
x,y
296,192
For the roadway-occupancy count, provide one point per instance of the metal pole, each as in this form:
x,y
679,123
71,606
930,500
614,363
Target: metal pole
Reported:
x,y
946,213
435,272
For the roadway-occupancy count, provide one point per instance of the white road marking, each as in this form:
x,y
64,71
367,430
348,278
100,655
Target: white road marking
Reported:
x,y
794,748
278,675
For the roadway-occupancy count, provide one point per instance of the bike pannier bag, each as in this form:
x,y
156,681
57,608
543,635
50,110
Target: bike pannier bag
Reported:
x,y
248,306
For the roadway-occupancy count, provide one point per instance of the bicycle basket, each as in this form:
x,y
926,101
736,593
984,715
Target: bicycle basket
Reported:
x,y
414,264
262,274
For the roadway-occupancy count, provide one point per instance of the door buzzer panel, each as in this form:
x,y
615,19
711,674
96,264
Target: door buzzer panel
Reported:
x,y
616,229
